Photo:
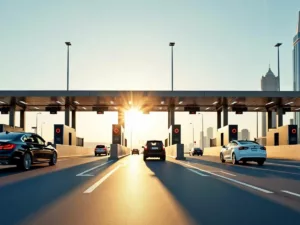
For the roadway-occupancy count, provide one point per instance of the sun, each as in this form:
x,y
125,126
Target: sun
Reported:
x,y
134,117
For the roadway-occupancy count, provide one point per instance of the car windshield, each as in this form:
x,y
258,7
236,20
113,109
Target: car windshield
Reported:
x,y
9,136
100,146
248,142
154,143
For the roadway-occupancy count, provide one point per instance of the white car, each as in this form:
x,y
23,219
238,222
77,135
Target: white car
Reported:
x,y
243,151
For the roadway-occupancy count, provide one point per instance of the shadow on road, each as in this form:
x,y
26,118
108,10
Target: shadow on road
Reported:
x,y
249,169
27,196
212,201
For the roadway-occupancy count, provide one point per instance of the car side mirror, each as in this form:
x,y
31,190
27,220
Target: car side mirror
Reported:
x,y
49,143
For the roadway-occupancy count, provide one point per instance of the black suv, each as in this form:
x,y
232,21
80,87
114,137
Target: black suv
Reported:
x,y
154,148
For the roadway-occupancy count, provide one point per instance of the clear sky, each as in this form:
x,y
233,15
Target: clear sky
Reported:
x,y
123,45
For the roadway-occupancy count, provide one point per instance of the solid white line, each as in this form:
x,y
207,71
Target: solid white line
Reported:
x,y
227,173
83,173
95,185
230,179
201,174
291,193
286,165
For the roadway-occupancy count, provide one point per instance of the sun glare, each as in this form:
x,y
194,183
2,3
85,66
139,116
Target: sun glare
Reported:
x,y
134,117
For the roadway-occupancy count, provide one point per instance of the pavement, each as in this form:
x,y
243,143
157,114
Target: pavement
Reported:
x,y
199,190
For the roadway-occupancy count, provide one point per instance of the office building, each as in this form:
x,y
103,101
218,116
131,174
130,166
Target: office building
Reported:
x,y
269,82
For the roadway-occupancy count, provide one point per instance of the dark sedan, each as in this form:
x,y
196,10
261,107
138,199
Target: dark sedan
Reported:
x,y
23,149
196,151
135,151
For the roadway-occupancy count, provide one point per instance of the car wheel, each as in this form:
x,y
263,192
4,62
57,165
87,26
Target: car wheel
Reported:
x,y
260,162
222,158
96,154
26,162
53,160
145,158
234,161
163,158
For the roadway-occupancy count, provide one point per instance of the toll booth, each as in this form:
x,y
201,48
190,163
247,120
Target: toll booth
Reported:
x,y
174,135
226,134
166,142
4,127
284,135
213,142
64,135
79,141
118,135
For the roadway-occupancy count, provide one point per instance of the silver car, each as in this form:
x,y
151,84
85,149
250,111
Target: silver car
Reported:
x,y
101,150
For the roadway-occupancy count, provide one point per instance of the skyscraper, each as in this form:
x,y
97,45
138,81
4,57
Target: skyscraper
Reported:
x,y
210,132
269,82
245,134
296,63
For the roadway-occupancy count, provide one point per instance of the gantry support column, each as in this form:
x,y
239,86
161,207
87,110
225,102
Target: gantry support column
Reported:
x,y
171,115
279,116
74,119
269,121
22,119
121,118
12,115
225,115
67,115
219,119
67,111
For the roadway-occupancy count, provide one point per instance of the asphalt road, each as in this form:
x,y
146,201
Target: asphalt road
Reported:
x,y
199,190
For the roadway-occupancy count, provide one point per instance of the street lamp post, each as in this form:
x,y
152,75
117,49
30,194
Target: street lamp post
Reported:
x,y
202,144
36,122
68,44
278,45
193,135
172,69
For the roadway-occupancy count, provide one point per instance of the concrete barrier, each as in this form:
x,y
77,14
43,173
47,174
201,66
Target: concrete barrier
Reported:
x,y
291,152
118,151
212,151
176,151
71,151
